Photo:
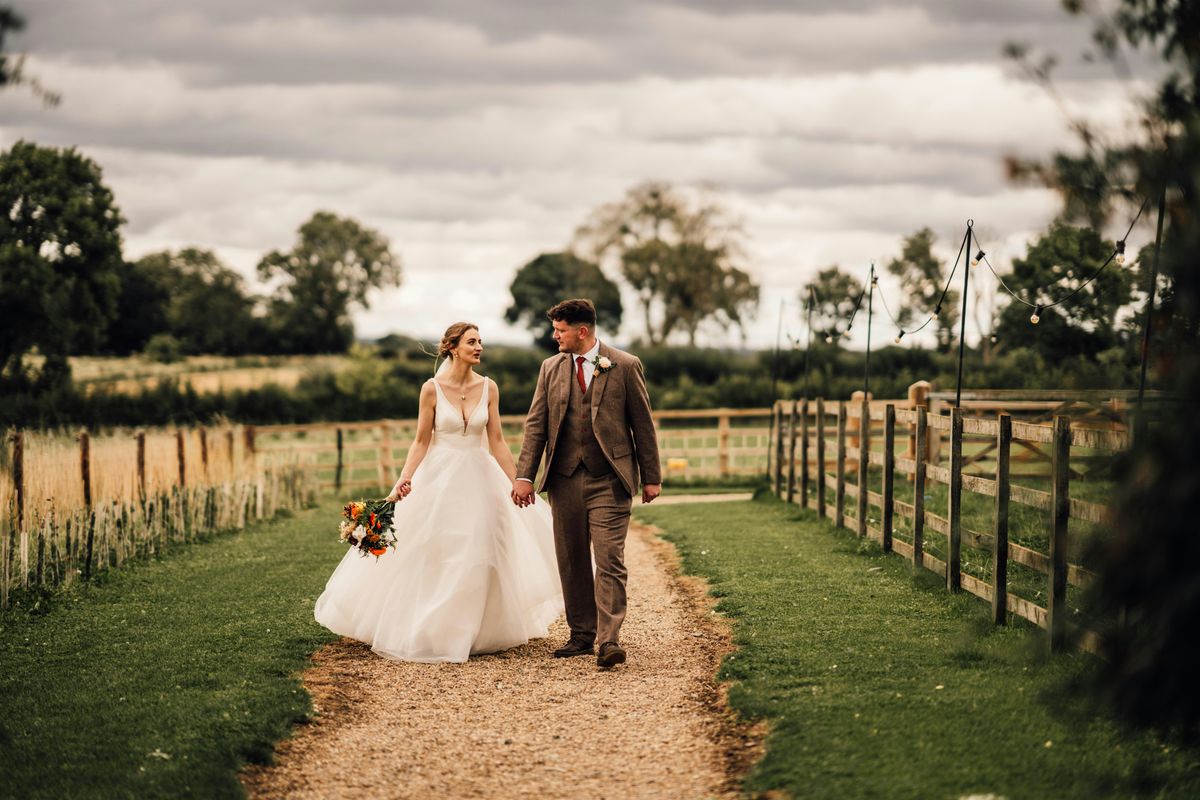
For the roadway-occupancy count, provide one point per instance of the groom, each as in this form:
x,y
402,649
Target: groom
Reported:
x,y
591,416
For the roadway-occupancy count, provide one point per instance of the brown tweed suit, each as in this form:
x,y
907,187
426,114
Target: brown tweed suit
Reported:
x,y
596,443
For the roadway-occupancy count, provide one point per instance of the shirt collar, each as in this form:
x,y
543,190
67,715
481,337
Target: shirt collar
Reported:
x,y
590,355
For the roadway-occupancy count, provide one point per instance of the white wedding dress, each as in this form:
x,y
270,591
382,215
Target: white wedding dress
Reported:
x,y
470,573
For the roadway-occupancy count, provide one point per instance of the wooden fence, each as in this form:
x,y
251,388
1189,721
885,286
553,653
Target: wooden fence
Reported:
x,y
693,444
70,507
824,447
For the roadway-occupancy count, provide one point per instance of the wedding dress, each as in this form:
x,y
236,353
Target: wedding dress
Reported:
x,y
470,573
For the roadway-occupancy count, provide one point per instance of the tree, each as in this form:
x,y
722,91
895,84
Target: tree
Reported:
x,y
665,246
922,280
552,277
60,257
142,302
208,309
1146,597
12,70
1057,264
835,295
333,266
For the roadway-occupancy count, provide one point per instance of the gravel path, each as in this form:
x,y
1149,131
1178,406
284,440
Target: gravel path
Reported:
x,y
522,724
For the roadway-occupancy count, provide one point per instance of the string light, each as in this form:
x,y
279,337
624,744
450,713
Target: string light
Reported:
x,y
828,338
1036,316
978,257
937,312
1120,256
899,336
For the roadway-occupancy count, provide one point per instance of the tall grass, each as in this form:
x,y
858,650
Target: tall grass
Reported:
x,y
55,538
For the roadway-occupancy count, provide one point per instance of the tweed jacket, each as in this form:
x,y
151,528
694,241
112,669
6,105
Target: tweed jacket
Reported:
x,y
621,418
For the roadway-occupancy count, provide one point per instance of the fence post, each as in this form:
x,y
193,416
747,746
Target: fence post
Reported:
x,y
864,446
204,450
85,473
821,456
141,464
918,534
1000,531
179,456
337,475
954,545
889,475
804,453
839,497
248,436
723,445
1056,606
791,472
778,448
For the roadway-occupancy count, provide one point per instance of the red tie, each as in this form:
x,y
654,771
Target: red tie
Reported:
x,y
579,373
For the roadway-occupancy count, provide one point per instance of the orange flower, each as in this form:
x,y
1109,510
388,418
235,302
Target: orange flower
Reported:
x,y
377,551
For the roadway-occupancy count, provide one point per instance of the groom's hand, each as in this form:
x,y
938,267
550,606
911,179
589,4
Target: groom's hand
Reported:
x,y
651,491
523,494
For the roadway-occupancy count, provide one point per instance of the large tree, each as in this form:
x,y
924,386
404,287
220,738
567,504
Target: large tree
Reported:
x,y
334,264
1058,265
665,243
207,307
1146,595
60,257
834,295
552,277
922,280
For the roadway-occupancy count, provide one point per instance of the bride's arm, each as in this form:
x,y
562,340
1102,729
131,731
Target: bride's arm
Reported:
x,y
420,444
496,444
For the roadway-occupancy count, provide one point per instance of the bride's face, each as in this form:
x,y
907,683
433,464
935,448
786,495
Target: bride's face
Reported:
x,y
470,347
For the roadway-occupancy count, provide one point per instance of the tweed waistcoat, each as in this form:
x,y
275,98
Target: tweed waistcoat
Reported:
x,y
576,441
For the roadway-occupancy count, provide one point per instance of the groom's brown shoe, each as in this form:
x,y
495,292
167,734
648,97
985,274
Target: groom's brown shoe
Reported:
x,y
575,646
611,654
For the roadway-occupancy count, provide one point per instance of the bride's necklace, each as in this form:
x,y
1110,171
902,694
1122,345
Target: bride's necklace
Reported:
x,y
462,396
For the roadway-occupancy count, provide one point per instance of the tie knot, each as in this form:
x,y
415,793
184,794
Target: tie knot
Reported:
x,y
579,360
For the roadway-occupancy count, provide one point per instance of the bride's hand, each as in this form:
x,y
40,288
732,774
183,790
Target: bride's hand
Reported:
x,y
400,491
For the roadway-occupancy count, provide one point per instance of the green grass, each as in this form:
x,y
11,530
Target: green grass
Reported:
x,y
879,684
167,676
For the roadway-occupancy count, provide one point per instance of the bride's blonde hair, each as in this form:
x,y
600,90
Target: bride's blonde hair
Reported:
x,y
453,336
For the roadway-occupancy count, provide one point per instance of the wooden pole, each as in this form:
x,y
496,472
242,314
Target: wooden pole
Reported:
x,y
141,464
337,475
889,474
821,456
179,455
791,462
778,417
954,545
18,462
839,498
229,444
804,453
204,450
864,424
1000,531
918,534
1060,503
723,445
85,473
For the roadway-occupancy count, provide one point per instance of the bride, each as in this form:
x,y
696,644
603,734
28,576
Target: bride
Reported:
x,y
470,572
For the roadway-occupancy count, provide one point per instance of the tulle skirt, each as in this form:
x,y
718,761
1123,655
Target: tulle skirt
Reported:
x,y
470,573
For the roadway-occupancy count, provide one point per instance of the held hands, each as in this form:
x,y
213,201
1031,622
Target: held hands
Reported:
x,y
651,491
523,494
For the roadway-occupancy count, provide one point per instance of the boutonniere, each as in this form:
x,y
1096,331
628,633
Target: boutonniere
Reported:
x,y
602,364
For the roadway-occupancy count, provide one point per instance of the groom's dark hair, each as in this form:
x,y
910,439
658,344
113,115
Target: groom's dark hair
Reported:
x,y
574,312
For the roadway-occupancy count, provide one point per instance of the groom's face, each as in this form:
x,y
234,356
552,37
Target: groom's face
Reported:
x,y
569,336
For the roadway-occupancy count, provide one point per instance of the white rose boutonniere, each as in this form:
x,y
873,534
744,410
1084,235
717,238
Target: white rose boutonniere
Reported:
x,y
602,364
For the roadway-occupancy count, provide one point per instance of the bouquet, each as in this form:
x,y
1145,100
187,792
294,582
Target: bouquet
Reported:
x,y
367,525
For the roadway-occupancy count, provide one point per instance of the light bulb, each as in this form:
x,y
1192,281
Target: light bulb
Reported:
x,y
899,336
1036,316
993,338
846,335
1120,256
829,339
978,257
1120,259
896,340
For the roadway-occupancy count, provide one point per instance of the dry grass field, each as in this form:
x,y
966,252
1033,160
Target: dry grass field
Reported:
x,y
204,373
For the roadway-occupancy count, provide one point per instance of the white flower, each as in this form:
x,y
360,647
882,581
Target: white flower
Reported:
x,y
603,364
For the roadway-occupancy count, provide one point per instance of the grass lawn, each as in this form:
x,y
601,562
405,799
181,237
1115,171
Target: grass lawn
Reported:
x,y
879,684
164,678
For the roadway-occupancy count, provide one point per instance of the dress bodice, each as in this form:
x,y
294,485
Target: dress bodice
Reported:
x,y
448,427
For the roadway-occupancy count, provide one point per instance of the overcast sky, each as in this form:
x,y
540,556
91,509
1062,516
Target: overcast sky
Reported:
x,y
476,135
